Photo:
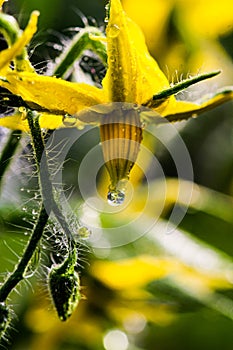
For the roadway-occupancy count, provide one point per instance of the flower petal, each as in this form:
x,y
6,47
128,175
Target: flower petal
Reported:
x,y
6,56
17,121
55,95
179,110
133,75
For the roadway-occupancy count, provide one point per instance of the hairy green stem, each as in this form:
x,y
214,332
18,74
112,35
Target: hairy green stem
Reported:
x,y
18,274
44,175
8,152
38,230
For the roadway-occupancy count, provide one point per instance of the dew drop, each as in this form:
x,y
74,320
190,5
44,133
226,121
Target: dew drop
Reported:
x,y
69,120
24,209
22,109
113,31
34,212
112,59
116,197
84,232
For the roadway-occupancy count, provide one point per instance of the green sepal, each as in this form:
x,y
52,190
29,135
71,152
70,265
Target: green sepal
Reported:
x,y
9,28
64,286
84,40
160,97
11,32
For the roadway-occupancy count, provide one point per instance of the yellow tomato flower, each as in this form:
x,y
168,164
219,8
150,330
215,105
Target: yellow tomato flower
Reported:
x,y
133,78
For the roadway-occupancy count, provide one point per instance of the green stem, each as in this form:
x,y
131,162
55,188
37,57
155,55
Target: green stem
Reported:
x,y
38,230
82,41
9,151
44,175
48,205
17,275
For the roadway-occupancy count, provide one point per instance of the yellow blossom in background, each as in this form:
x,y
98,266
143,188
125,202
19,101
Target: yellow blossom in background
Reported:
x,y
204,18
197,23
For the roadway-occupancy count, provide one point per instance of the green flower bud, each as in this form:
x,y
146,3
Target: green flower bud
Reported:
x,y
64,286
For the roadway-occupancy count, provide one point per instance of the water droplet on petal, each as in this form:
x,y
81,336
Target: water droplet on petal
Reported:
x,y
113,31
116,197
69,120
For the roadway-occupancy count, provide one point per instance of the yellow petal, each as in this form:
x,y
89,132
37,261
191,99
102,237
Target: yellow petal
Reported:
x,y
152,17
1,2
179,110
133,75
6,56
18,121
56,95
14,122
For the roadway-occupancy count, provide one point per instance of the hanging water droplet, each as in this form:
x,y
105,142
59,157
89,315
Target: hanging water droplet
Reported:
x,y
34,212
113,30
69,120
136,107
84,232
24,209
116,197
